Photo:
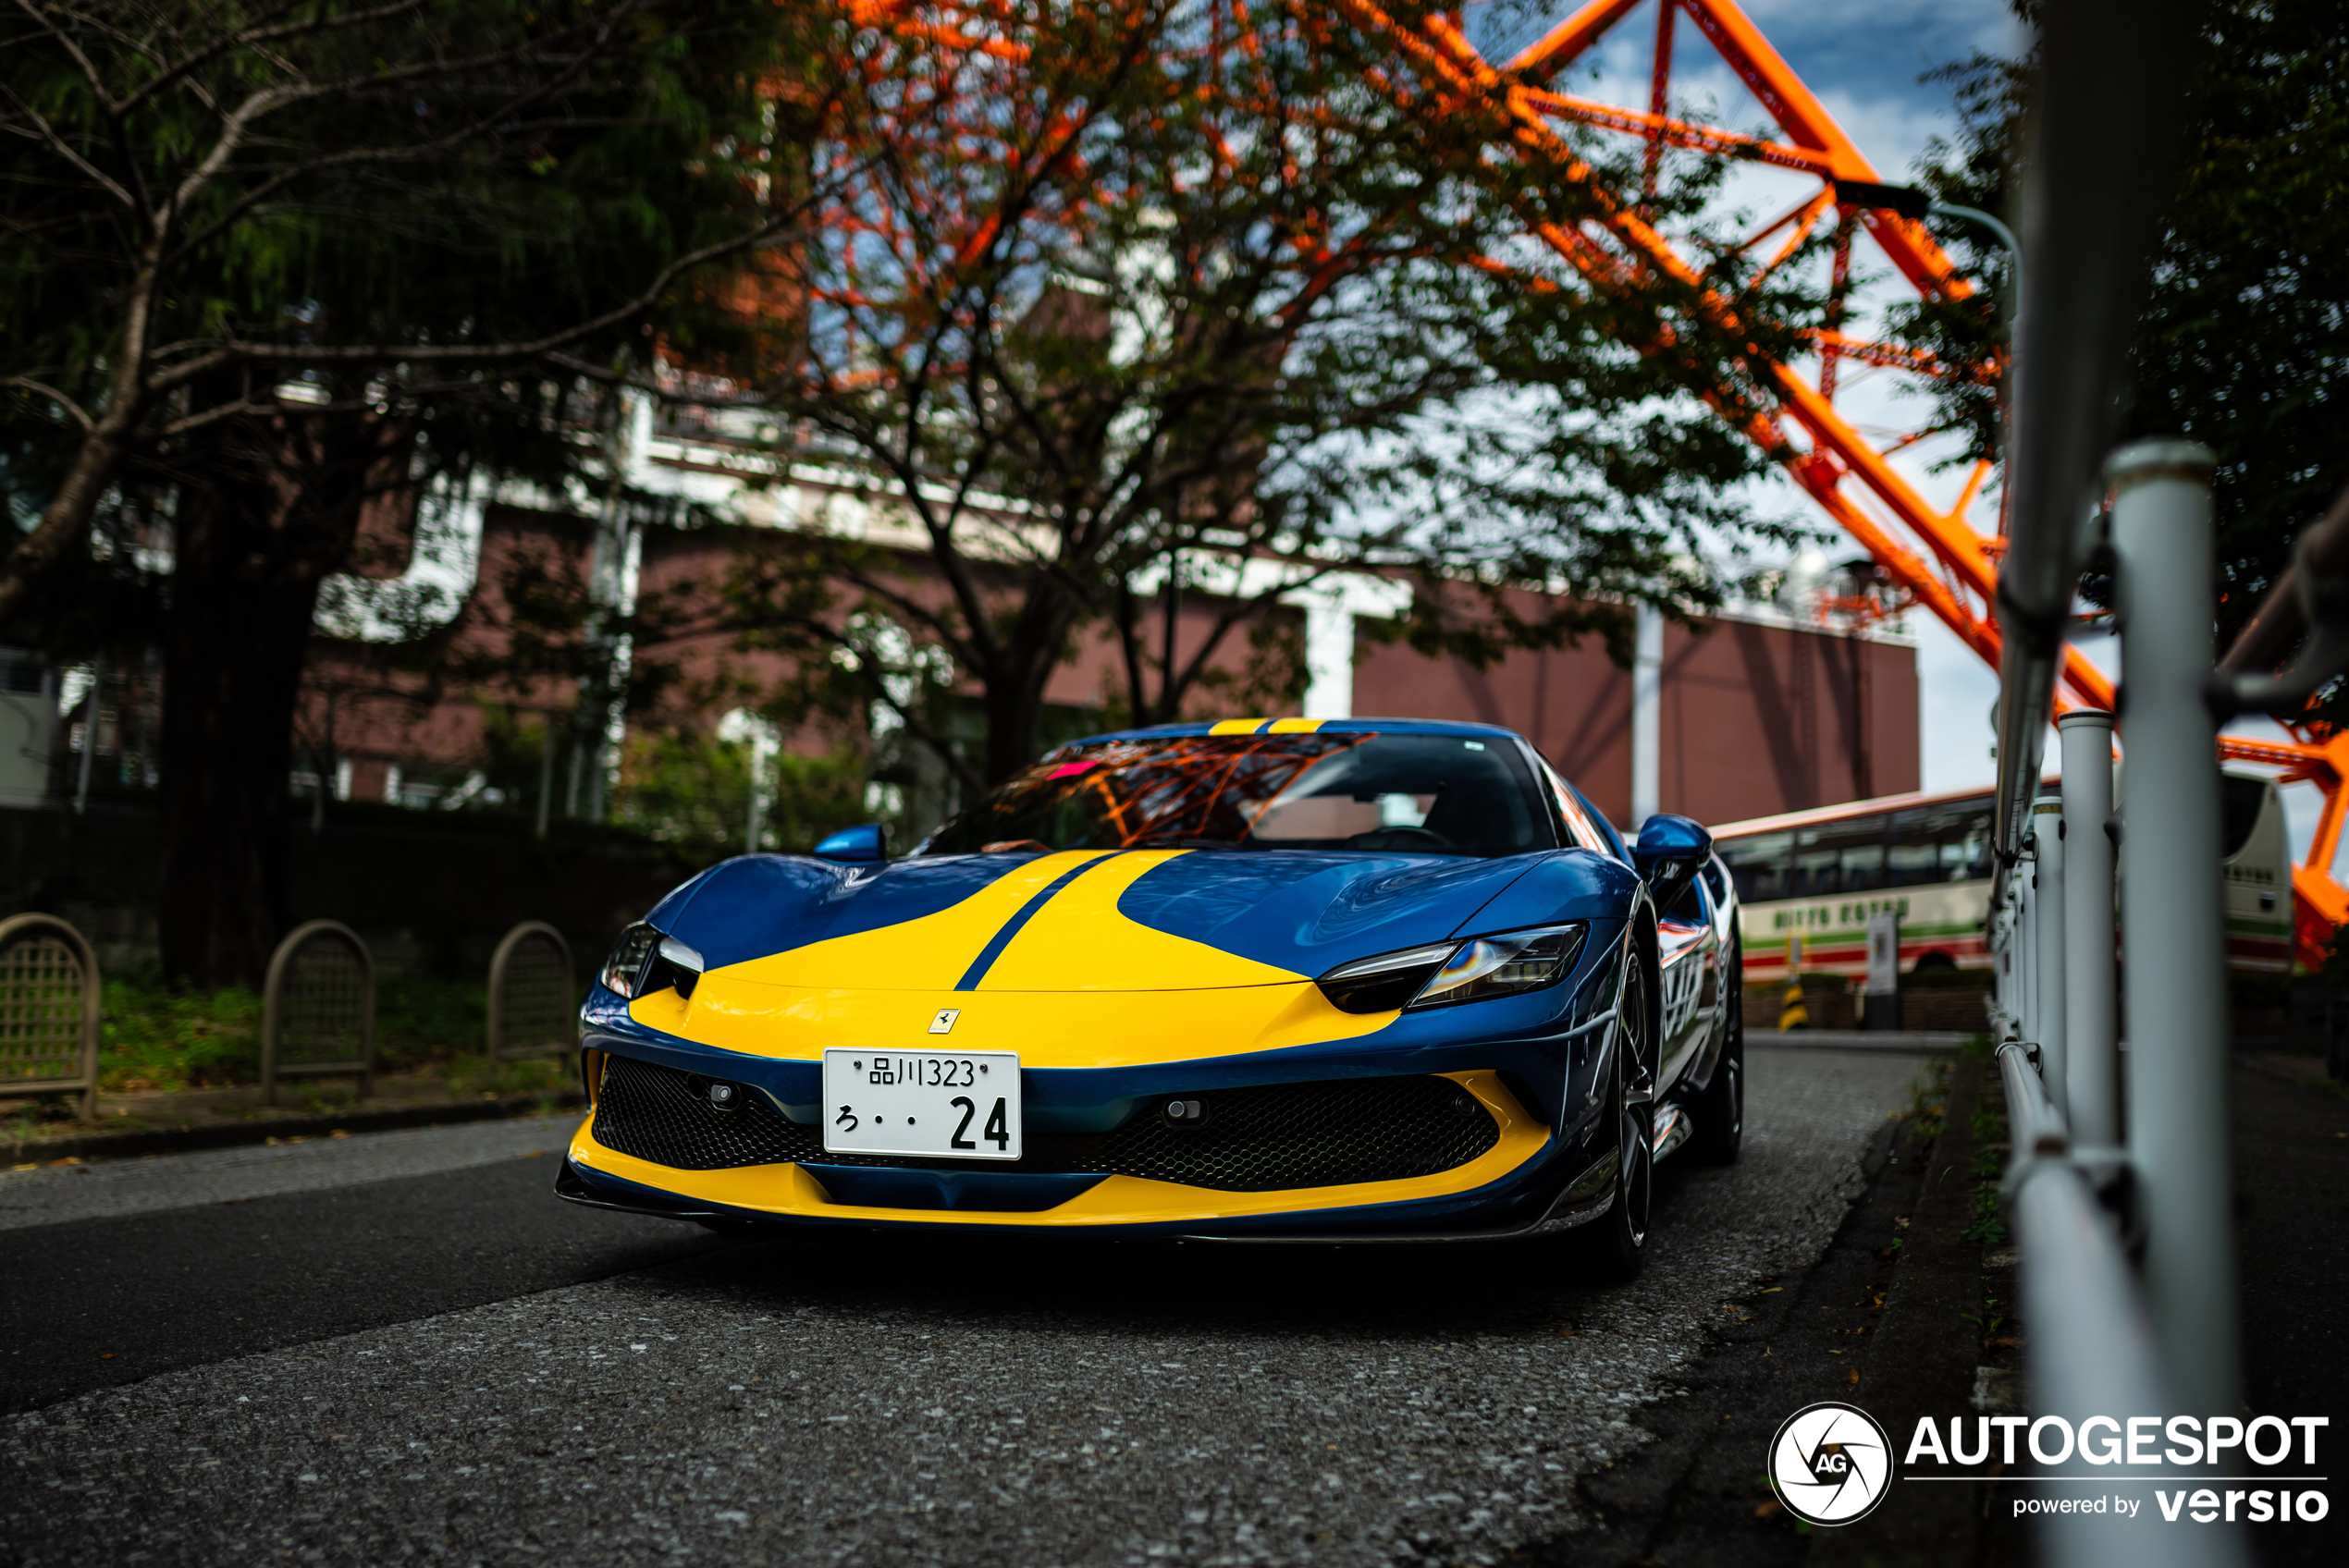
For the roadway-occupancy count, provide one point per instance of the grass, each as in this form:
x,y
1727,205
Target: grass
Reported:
x,y
1927,1095
157,1035
1988,1127
154,1036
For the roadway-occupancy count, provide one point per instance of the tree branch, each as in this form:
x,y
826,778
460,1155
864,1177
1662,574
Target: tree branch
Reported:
x,y
81,415
65,150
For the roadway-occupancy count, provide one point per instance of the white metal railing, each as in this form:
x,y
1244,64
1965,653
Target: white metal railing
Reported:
x,y
2093,1190
2109,1338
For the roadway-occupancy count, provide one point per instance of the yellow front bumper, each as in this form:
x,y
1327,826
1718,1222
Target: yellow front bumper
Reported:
x,y
790,1191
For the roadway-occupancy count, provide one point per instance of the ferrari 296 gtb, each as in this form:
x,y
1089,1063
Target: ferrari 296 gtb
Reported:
x,y
1361,980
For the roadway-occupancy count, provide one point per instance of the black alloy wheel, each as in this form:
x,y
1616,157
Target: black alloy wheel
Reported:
x,y
1612,1246
1720,1110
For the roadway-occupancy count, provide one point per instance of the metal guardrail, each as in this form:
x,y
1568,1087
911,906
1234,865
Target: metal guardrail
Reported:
x,y
49,992
2109,1338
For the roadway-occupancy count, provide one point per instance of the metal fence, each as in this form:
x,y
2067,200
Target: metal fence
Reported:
x,y
48,1009
2120,1200
533,998
318,1009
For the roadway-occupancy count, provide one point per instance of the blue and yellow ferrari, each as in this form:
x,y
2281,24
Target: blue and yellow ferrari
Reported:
x,y
1264,979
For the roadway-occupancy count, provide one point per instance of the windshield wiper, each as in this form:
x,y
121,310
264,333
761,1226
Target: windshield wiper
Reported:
x,y
1173,841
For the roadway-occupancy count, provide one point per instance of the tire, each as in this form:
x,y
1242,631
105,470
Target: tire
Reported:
x,y
1611,1247
1720,1110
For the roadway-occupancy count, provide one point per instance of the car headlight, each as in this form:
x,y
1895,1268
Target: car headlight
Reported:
x,y
1444,973
645,962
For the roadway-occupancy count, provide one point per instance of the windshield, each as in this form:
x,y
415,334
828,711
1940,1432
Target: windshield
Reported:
x,y
1417,794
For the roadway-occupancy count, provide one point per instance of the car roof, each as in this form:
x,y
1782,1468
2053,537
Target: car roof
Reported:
x,y
1303,727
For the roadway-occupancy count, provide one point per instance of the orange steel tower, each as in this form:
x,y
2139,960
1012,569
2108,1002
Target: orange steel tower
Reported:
x,y
1936,556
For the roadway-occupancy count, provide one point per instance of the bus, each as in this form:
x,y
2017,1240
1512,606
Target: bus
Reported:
x,y
1927,858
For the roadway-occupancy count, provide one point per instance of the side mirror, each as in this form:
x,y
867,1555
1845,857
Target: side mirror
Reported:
x,y
866,841
1669,852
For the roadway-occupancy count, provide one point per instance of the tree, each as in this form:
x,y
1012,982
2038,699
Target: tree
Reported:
x,y
1177,294
2243,341
269,264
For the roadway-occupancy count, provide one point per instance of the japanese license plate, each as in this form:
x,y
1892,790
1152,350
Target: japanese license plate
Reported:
x,y
935,1104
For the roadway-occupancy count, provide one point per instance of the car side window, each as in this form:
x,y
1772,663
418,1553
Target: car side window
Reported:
x,y
1580,832
1717,882
1689,906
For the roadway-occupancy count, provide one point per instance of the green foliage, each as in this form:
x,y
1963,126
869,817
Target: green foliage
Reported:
x,y
1928,1095
693,788
413,196
686,786
422,1020
158,1036
811,797
2243,341
1988,1128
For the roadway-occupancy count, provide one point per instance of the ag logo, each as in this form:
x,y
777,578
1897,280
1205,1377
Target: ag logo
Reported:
x,y
1830,1463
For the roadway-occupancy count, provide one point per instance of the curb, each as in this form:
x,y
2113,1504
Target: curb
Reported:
x,y
1923,1362
1906,1041
188,1140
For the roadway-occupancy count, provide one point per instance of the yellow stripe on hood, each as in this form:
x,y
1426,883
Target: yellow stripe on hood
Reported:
x,y
928,953
1081,942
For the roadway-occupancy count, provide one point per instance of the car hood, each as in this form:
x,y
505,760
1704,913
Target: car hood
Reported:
x,y
1083,920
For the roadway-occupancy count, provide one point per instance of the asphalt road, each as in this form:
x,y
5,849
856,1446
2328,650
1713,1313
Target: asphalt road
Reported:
x,y
402,1348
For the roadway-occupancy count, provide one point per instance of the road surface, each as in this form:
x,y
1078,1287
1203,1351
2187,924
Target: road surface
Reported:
x,y
402,1348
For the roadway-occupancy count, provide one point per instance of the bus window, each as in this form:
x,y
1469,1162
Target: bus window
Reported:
x,y
1913,864
1758,865
2241,796
1946,843
1967,859
1863,869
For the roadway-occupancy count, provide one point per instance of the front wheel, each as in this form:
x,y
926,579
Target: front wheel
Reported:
x,y
1612,1246
1720,1110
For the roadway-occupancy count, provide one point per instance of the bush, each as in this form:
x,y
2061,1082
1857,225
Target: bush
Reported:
x,y
155,1036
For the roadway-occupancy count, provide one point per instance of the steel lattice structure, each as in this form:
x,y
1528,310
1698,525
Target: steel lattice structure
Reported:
x,y
1937,558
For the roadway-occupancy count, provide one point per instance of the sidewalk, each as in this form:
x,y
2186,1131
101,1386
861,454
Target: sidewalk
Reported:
x,y
173,1120
1891,1318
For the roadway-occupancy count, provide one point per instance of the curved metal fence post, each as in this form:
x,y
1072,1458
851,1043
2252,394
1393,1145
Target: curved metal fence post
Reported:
x,y
41,1031
2171,915
326,1009
534,957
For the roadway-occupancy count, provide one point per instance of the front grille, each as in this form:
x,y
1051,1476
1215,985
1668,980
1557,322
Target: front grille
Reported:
x,y
1253,1140
1310,1136
664,1116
